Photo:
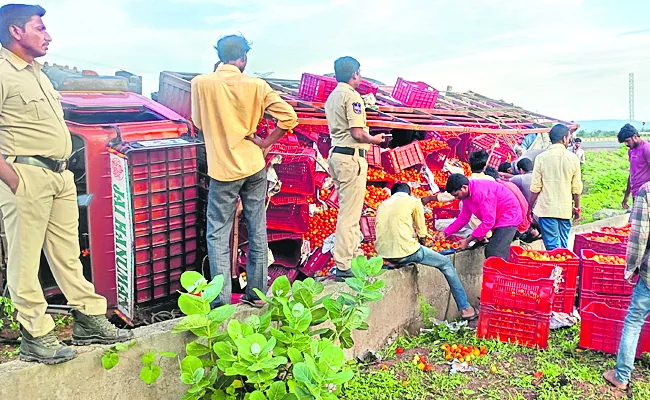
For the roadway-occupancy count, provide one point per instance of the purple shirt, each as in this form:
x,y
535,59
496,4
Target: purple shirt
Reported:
x,y
639,166
492,203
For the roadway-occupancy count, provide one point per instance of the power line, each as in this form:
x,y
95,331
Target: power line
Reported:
x,y
631,97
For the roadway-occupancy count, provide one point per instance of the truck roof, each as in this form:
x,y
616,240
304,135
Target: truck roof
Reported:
x,y
115,101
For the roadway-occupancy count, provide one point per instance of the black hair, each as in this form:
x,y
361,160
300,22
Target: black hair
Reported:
x,y
478,160
627,132
345,68
232,47
558,132
491,171
18,15
525,164
400,188
577,140
505,166
456,182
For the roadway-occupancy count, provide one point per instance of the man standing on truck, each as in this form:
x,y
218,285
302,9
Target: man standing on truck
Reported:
x,y
38,196
346,118
227,106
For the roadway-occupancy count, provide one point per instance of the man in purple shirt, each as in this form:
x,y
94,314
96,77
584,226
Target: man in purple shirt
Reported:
x,y
639,155
493,204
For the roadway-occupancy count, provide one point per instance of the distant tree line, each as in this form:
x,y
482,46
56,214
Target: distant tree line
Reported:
x,y
600,133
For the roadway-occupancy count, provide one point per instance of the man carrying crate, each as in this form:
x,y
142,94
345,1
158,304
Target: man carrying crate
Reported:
x,y
38,196
227,106
346,118
401,232
638,253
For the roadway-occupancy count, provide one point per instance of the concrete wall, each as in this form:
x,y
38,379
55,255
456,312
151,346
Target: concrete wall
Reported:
x,y
84,377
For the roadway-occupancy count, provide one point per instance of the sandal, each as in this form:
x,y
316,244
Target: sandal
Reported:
x,y
472,318
253,303
610,377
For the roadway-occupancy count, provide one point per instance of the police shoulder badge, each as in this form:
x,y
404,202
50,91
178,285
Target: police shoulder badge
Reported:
x,y
356,107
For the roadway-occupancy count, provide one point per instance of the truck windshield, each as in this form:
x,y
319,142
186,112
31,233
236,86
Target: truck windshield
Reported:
x,y
111,116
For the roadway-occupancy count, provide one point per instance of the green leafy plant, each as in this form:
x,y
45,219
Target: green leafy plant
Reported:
x,y
111,358
7,310
150,371
294,350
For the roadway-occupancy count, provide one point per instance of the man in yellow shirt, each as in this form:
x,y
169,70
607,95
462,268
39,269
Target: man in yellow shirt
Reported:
x,y
38,196
227,106
346,118
555,189
401,231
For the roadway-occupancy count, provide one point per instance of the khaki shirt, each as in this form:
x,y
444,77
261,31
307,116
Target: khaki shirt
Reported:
x,y
399,223
227,106
344,110
31,115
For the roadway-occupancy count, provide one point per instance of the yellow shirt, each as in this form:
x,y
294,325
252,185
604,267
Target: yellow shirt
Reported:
x,y
227,106
31,115
400,221
556,177
344,110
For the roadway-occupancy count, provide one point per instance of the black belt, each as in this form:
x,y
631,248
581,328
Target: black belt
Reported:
x,y
43,162
348,151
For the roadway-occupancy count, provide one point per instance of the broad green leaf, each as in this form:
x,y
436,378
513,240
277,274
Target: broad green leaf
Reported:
x,y
320,300
191,322
189,365
109,360
332,358
254,322
207,363
346,339
281,287
198,374
375,265
234,329
297,285
355,284
150,374
262,296
333,306
363,327
196,349
377,285
257,395
265,321
280,336
290,396
219,395
303,296
277,391
213,289
224,351
297,310
167,354
222,313
191,280
302,373
120,346
318,316
255,349
191,304
314,287
294,355
319,332
340,377
359,267
372,296
148,358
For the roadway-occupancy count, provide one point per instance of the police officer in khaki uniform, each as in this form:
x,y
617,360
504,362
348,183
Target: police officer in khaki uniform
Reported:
x,y
346,117
38,196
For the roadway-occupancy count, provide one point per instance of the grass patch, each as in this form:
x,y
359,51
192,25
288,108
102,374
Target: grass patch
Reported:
x,y
604,176
566,371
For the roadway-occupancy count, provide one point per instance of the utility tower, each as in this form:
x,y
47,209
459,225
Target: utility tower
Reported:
x,y
631,97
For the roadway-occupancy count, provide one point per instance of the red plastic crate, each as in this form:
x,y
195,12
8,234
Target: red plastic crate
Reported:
x,y
565,301
527,330
297,170
532,272
162,198
146,290
174,262
281,199
316,262
373,156
517,294
164,225
398,159
161,252
602,326
276,271
333,199
275,236
172,236
311,132
368,227
582,241
290,218
318,88
617,229
603,278
320,178
587,297
444,213
569,266
415,94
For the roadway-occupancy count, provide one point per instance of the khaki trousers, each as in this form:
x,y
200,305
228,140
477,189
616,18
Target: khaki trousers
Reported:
x,y
43,214
349,175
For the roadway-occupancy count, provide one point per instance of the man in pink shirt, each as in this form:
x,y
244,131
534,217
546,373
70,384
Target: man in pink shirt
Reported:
x,y
639,155
494,205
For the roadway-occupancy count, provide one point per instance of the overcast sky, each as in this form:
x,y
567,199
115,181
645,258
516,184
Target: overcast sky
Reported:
x,y
565,58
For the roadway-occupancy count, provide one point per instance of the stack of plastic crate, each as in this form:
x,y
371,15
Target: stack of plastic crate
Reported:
x,y
603,280
563,258
516,303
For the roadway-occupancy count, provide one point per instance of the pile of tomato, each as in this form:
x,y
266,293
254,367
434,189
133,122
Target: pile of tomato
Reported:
x,y
375,196
431,145
421,363
440,178
410,175
378,175
420,193
608,259
467,170
327,270
442,245
545,256
624,231
603,239
369,249
463,353
321,226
